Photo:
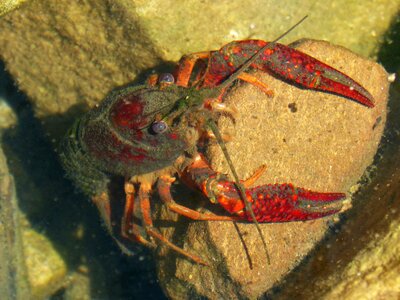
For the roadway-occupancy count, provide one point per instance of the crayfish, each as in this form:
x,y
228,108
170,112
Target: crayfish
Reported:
x,y
151,133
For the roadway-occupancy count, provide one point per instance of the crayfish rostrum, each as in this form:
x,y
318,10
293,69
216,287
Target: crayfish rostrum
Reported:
x,y
151,133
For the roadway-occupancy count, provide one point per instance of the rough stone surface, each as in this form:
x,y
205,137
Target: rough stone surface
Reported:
x,y
8,5
324,145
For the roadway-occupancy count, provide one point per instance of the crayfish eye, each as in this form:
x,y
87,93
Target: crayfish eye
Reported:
x,y
166,79
159,127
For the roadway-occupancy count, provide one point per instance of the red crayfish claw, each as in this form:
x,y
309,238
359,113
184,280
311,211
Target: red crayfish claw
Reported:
x,y
279,60
270,203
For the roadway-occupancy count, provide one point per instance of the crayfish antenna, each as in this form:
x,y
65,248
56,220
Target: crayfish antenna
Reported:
x,y
238,184
221,143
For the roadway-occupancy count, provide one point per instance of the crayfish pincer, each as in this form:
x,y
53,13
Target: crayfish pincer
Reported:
x,y
154,134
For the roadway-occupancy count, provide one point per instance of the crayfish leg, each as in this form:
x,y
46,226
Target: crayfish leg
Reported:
x,y
186,66
102,203
144,201
130,230
128,209
256,82
254,177
164,190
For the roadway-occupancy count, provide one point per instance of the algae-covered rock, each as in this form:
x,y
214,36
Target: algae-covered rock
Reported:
x,y
46,269
324,144
7,116
376,268
13,273
64,53
9,5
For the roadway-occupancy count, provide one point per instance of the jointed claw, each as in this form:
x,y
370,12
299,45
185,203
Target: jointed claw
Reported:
x,y
270,203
